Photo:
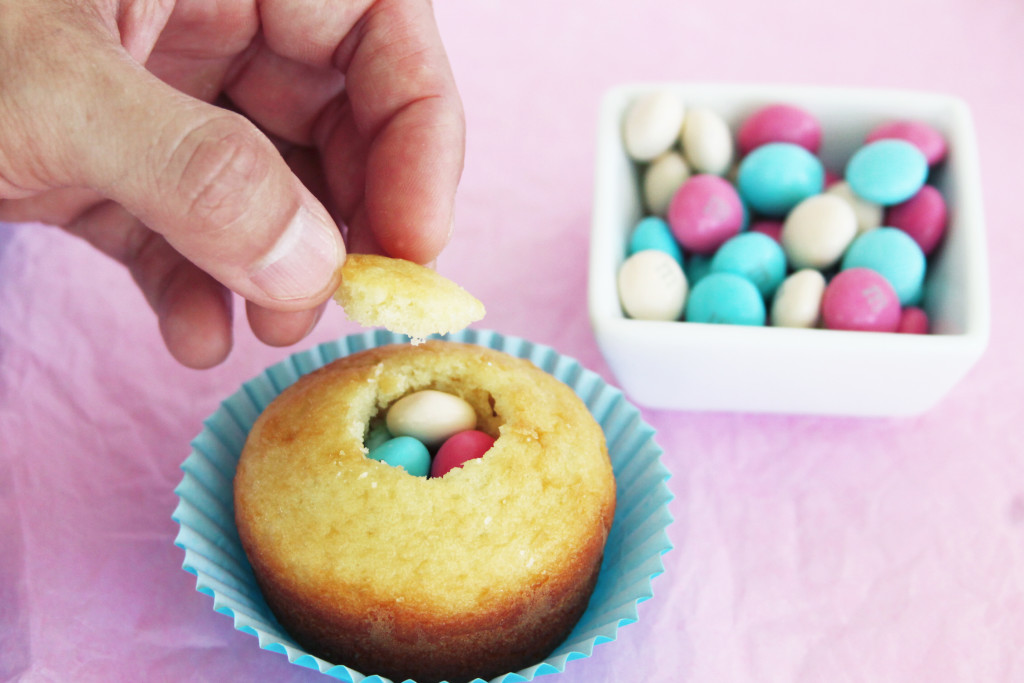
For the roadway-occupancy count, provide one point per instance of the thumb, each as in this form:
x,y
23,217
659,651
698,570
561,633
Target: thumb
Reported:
x,y
206,179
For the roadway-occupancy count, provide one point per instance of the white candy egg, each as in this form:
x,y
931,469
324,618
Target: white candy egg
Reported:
x,y
430,416
652,286
652,124
869,215
706,141
818,230
797,302
661,180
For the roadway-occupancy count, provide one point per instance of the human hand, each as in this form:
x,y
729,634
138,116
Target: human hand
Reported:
x,y
336,114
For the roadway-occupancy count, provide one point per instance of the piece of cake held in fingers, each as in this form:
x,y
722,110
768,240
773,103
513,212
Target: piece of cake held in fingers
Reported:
x,y
404,297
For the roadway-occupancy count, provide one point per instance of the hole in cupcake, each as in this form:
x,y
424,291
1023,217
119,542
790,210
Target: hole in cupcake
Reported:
x,y
429,431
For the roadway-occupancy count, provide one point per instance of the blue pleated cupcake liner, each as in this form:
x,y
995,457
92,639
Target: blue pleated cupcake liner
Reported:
x,y
633,553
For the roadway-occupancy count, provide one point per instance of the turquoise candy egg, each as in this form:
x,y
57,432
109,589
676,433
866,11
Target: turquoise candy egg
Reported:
x,y
887,172
697,266
725,298
755,256
776,177
653,232
894,255
406,452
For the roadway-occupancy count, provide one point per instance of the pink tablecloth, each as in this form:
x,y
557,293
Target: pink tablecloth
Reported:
x,y
806,549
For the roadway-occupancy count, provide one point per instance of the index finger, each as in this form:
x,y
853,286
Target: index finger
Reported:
x,y
403,104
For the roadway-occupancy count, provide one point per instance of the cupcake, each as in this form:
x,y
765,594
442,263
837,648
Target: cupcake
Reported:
x,y
632,545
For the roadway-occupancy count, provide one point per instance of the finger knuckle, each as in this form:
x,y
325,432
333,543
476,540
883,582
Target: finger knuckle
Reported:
x,y
224,164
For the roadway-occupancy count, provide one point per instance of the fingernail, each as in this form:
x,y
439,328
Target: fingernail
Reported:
x,y
302,262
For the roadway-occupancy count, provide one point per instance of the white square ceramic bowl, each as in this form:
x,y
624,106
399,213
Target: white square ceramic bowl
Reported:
x,y
696,366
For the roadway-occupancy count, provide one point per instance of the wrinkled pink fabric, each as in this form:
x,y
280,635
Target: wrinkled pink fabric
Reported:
x,y
806,548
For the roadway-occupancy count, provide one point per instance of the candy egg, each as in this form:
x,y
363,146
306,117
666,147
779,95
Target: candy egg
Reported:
x,y
895,255
923,217
459,449
887,171
652,124
772,228
697,266
706,141
652,286
430,416
704,213
817,232
918,133
913,321
780,123
754,256
869,215
406,452
725,298
777,176
653,232
860,299
798,300
662,178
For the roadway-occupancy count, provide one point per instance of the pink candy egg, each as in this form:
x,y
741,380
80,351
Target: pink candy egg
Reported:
x,y
930,141
913,321
768,227
860,299
704,213
459,449
923,217
780,123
